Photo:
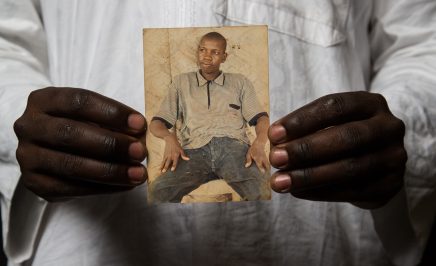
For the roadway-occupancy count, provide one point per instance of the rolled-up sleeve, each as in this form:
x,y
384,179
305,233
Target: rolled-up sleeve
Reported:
x,y
169,109
23,68
403,44
251,108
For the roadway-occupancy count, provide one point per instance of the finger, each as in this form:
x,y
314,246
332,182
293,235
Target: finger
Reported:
x,y
259,165
347,171
65,165
248,159
78,137
55,189
184,156
175,161
337,142
168,162
324,112
89,106
162,164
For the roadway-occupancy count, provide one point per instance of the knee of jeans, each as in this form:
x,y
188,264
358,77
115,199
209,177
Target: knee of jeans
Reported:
x,y
155,189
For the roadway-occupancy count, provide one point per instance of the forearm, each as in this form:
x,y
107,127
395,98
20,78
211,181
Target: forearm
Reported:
x,y
159,130
262,129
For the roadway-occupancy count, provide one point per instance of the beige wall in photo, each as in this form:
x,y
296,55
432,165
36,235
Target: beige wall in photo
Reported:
x,y
169,52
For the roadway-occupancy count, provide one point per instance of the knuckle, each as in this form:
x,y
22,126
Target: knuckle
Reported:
x,y
404,157
20,154
109,170
398,160
47,162
29,182
109,110
380,100
80,100
295,121
110,144
20,126
305,176
67,133
333,103
352,167
399,126
302,151
350,136
401,155
34,95
70,164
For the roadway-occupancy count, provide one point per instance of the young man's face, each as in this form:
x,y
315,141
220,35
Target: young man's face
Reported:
x,y
211,53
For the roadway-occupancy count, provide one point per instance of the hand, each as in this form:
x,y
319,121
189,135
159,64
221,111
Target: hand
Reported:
x,y
74,142
342,147
256,153
172,152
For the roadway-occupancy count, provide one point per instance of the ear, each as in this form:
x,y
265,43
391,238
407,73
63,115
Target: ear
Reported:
x,y
224,57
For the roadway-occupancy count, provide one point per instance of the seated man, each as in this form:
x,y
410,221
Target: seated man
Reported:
x,y
214,108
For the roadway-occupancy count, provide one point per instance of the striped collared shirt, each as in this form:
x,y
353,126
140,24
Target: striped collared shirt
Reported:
x,y
207,109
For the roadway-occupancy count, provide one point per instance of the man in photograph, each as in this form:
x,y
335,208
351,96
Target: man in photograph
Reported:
x,y
213,108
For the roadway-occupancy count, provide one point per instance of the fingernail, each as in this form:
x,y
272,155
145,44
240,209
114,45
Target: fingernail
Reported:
x,y
136,121
164,170
279,158
277,133
136,174
282,183
136,151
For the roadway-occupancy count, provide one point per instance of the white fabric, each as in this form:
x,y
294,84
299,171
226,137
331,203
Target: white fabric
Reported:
x,y
317,47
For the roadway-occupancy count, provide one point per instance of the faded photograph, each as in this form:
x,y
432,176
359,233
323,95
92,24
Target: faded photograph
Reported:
x,y
209,122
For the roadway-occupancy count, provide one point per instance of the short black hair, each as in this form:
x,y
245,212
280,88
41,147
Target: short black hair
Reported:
x,y
215,36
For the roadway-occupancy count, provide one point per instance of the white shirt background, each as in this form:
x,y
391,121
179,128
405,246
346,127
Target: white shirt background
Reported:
x,y
317,47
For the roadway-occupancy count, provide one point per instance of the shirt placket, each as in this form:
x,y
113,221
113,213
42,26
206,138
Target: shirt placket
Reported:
x,y
208,93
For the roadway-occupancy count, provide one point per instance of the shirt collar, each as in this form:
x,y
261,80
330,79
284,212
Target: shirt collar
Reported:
x,y
218,80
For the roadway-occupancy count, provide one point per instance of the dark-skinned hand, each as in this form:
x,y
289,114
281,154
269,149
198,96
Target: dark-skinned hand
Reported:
x,y
345,147
74,142
173,151
256,153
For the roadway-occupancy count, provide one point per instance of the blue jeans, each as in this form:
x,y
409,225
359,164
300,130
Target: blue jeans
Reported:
x,y
222,158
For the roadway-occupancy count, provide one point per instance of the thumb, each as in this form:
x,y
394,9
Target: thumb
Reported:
x,y
183,155
248,160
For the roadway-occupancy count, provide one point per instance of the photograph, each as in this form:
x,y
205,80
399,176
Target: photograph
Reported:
x,y
207,108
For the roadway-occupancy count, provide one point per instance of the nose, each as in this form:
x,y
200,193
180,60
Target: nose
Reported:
x,y
208,56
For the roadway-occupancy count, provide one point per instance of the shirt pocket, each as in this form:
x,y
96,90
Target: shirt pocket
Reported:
x,y
234,116
319,22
